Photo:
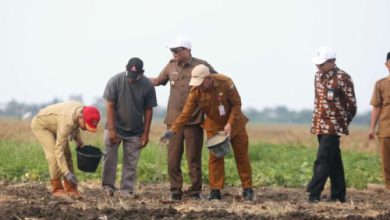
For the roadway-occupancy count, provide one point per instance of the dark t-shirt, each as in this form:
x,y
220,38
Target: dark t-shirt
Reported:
x,y
130,101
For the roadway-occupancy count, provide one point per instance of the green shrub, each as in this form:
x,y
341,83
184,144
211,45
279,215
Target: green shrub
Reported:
x,y
272,165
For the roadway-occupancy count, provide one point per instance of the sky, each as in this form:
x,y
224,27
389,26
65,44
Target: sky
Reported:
x,y
56,49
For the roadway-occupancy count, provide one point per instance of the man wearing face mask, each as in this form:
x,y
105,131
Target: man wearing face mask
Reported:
x,y
334,108
130,98
178,73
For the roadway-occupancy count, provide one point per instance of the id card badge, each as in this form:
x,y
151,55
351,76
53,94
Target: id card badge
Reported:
x,y
330,94
221,109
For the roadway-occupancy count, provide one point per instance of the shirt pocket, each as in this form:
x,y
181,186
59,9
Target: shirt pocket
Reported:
x,y
332,94
204,104
173,76
386,97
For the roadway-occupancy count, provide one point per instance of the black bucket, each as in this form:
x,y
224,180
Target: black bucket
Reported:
x,y
88,158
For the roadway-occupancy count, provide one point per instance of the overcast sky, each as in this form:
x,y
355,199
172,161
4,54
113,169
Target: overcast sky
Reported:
x,y
57,48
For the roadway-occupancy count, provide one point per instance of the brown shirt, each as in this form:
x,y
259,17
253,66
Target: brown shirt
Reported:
x,y
223,93
334,104
381,98
179,76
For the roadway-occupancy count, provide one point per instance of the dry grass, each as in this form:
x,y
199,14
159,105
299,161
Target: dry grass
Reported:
x,y
300,135
19,130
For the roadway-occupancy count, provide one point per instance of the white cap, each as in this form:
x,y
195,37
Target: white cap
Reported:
x,y
198,74
180,42
323,54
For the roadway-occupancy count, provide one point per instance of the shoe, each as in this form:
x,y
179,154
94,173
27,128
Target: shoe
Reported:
x,y
57,188
196,196
127,193
313,198
109,190
341,199
71,190
176,196
215,194
248,194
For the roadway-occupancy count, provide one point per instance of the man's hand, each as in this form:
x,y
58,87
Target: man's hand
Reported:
x,y
153,81
71,178
79,144
144,140
165,138
113,137
371,134
228,129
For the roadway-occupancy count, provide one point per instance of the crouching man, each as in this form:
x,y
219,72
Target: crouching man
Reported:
x,y
53,126
218,98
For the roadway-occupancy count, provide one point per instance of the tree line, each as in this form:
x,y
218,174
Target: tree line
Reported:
x,y
275,115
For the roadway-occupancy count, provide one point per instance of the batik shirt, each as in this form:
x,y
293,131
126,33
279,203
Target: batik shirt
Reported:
x,y
334,103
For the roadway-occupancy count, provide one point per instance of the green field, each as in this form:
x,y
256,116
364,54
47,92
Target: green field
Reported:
x,y
272,165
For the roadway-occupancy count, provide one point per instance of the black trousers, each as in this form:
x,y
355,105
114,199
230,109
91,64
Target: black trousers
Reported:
x,y
328,164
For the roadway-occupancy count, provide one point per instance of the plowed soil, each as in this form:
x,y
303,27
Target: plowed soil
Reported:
x,y
32,200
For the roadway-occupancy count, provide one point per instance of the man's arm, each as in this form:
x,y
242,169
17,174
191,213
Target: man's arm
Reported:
x,y
162,78
189,107
185,115
77,138
350,100
110,122
211,68
148,121
235,103
63,133
376,111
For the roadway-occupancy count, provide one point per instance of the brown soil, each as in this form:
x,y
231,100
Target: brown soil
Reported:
x,y
32,201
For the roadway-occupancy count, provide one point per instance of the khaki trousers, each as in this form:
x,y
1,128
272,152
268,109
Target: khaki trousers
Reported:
x,y
48,141
193,137
385,150
217,166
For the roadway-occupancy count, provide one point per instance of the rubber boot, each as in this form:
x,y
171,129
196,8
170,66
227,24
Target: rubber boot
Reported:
x,y
57,189
71,190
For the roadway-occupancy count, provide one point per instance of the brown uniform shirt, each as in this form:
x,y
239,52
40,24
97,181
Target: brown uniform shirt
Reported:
x,y
334,104
179,76
223,93
381,98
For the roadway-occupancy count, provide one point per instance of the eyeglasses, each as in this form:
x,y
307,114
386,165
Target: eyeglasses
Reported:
x,y
177,50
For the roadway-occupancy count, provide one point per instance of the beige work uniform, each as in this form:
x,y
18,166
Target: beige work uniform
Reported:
x,y
381,99
53,126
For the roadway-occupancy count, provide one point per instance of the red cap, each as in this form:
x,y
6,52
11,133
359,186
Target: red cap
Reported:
x,y
91,117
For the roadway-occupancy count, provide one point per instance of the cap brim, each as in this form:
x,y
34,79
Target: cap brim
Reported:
x,y
318,60
171,46
196,81
91,129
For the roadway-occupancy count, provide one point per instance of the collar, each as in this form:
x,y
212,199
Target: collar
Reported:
x,y
330,73
190,62
76,114
215,82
